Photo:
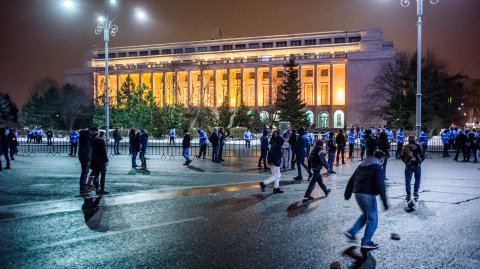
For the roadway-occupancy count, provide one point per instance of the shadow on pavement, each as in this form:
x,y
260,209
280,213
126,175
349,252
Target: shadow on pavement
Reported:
x,y
92,212
135,171
241,203
196,169
363,260
302,207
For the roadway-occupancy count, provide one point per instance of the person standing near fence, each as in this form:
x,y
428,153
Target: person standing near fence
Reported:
x,y
424,141
222,137
4,146
49,137
186,147
275,160
247,136
73,142
143,148
460,142
331,149
292,140
172,136
203,141
351,143
85,141
215,140
263,150
370,142
400,139
341,143
446,142
135,146
472,146
12,143
116,138
99,162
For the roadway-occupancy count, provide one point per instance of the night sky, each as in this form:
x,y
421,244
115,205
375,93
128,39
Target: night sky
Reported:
x,y
40,38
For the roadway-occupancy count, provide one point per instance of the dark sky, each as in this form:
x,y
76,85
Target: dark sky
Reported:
x,y
39,38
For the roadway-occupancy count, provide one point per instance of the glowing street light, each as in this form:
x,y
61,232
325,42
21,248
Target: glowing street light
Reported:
x,y
406,3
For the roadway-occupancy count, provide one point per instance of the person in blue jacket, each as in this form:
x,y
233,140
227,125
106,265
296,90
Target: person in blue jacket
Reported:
x,y
400,138
424,141
446,142
351,143
203,141
300,152
247,136
363,146
172,136
73,143
143,147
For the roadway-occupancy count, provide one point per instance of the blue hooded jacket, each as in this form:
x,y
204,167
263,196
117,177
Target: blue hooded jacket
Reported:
x,y
301,146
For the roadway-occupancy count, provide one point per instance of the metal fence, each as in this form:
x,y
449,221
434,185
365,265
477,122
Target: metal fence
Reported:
x,y
165,149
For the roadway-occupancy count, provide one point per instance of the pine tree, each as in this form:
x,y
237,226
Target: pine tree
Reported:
x,y
289,103
224,113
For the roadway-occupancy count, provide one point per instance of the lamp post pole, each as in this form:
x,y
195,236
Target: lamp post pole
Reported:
x,y
108,29
406,3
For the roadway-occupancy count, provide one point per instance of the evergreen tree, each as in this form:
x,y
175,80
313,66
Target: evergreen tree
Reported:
x,y
289,102
241,117
224,113
8,110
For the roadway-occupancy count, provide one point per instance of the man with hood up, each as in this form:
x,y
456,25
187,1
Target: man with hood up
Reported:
x,y
275,160
300,152
367,182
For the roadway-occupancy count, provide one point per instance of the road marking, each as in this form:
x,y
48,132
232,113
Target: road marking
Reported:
x,y
107,234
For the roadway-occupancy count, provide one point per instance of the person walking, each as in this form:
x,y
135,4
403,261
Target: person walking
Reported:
x,y
412,155
351,143
424,141
446,142
247,136
172,136
363,146
384,146
12,143
341,143
73,142
316,160
4,146
215,141
99,162
370,142
85,141
460,142
263,150
400,139
286,150
471,147
301,152
331,149
274,160
143,148
203,141
186,147
367,182
116,138
292,140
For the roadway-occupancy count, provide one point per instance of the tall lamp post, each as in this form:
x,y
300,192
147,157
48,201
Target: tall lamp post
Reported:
x,y
406,3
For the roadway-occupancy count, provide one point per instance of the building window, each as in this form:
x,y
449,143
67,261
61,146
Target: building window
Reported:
x,y
324,41
166,51
214,48
296,43
227,47
353,39
238,76
101,56
339,118
177,51
112,55
310,42
240,46
339,40
310,117
202,49
324,73
190,50
132,54
323,119
225,77
144,53
282,44
324,95
267,45
279,74
122,54
253,45
251,75
265,75
155,52
309,73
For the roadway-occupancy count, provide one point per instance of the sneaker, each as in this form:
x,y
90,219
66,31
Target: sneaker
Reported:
x,y
344,163
333,172
277,190
327,192
415,195
350,236
307,198
370,245
262,186
102,192
298,178
408,197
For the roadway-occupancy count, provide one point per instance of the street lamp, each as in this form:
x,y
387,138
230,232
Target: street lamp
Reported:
x,y
406,3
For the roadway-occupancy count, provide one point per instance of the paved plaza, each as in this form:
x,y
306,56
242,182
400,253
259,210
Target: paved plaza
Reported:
x,y
211,215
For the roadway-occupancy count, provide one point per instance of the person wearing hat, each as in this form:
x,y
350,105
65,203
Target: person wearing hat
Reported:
x,y
316,160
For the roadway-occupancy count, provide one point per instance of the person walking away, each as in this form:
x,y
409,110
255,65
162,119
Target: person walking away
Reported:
x,y
341,143
424,141
460,142
331,149
116,138
412,155
316,160
222,137
472,146
400,139
143,148
12,143
186,147
263,150
215,141
292,140
361,138
137,140
367,182
446,142
370,142
85,142
172,136
286,150
99,162
131,140
351,143
49,137
384,146
73,143
301,152
4,146
247,136
274,160
203,141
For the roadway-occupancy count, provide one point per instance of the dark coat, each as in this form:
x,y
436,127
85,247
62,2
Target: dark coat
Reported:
x,y
340,139
275,153
99,155
371,145
317,159
85,146
383,144
214,139
186,141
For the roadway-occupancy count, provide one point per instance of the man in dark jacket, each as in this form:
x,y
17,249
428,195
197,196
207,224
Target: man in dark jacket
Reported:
x,y
4,145
331,149
275,160
316,160
222,136
215,140
143,147
99,162
116,138
264,150
341,143
300,152
367,182
292,140
186,147
370,143
412,155
49,137
86,137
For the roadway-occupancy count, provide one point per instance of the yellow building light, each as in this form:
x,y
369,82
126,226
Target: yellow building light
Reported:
x,y
340,96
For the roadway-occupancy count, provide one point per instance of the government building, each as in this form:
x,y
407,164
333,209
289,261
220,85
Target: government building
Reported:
x,y
335,70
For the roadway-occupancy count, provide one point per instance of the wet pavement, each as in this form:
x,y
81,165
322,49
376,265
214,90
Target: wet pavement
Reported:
x,y
213,215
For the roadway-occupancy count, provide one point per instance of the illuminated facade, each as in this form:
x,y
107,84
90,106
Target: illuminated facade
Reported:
x,y
335,68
